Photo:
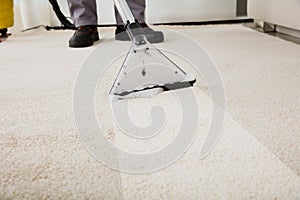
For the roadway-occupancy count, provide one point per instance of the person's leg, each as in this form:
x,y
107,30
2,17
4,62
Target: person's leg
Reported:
x,y
84,15
137,8
83,12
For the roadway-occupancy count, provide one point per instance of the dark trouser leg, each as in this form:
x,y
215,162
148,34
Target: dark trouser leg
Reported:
x,y
138,9
83,12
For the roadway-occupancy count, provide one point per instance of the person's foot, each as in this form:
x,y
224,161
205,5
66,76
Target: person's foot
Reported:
x,y
3,32
151,35
84,36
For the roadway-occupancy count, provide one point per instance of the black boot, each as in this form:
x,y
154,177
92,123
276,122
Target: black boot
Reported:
x,y
84,36
3,32
151,35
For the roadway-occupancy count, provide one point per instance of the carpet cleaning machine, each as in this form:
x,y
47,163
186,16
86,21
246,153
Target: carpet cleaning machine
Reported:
x,y
146,71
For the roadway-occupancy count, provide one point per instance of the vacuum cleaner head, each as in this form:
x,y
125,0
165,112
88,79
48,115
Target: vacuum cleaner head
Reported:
x,y
146,71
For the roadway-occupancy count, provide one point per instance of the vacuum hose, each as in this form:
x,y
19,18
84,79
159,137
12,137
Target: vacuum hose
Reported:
x,y
65,22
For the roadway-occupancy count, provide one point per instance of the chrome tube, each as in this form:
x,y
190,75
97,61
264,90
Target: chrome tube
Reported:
x,y
124,11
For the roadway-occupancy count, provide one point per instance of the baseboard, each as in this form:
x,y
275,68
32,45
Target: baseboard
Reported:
x,y
274,28
288,31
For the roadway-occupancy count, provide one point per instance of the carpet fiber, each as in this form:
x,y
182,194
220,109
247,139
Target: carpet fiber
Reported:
x,y
257,156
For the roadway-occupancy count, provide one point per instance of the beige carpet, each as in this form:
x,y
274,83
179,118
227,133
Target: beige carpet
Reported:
x,y
257,156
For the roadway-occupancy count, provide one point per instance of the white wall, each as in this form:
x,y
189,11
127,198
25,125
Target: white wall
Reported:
x,y
166,11
281,12
35,12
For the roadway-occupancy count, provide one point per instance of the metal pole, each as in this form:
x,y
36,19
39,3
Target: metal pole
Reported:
x,y
124,11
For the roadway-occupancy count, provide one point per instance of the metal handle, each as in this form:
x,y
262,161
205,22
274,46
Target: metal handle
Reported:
x,y
124,11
